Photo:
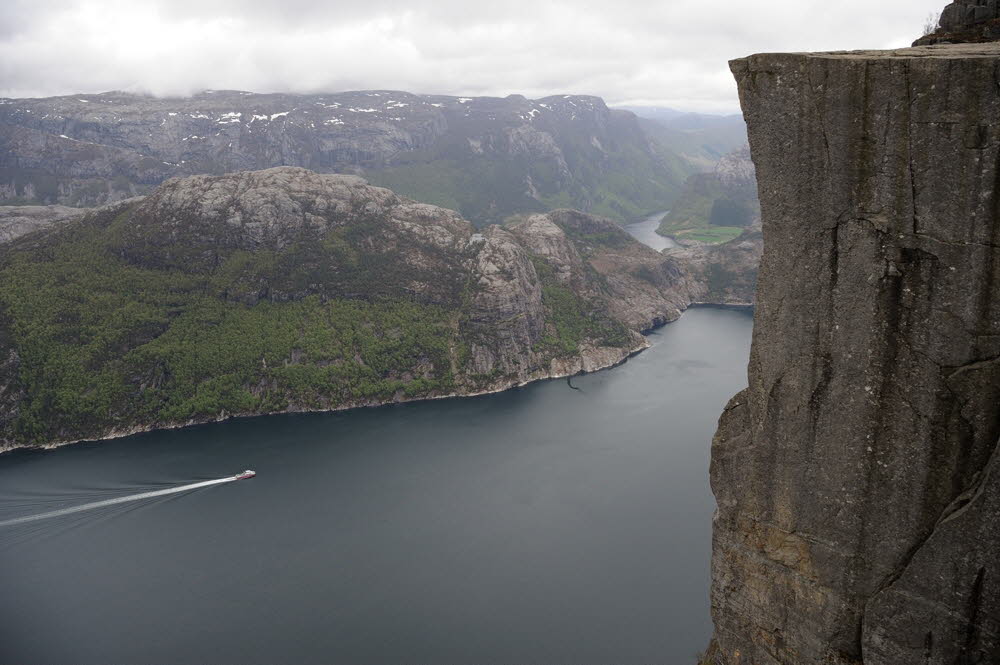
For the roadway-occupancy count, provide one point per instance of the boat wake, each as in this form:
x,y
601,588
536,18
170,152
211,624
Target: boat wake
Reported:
x,y
124,499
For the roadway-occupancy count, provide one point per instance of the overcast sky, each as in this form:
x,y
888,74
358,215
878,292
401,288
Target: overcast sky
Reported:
x,y
656,52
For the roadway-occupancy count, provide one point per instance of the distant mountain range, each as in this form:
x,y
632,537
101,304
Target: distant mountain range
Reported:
x,y
486,157
700,138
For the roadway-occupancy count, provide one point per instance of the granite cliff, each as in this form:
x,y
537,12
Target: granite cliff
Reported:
x,y
287,290
486,157
857,477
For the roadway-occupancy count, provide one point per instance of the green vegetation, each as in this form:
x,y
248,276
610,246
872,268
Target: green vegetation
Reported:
x,y
571,321
709,211
711,235
103,341
726,212
597,237
113,329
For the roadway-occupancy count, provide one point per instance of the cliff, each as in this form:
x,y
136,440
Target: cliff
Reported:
x,y
857,477
486,157
287,290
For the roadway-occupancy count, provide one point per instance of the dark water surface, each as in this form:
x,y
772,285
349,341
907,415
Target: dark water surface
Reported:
x,y
541,525
645,232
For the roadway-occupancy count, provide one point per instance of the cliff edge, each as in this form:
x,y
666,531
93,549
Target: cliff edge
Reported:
x,y
857,477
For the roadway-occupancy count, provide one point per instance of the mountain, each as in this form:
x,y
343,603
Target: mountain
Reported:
x,y
486,157
700,138
715,207
287,290
857,477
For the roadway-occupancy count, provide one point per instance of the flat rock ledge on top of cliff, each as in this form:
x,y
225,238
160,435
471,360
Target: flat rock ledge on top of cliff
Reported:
x,y
856,478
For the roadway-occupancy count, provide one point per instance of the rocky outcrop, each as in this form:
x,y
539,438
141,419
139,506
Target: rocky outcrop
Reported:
x,y
486,157
856,477
723,274
966,21
595,256
287,290
15,221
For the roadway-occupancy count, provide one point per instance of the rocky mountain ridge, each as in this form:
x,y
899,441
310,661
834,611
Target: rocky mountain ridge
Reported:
x,y
287,290
485,157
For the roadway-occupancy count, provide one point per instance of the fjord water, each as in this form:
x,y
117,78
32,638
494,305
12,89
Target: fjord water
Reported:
x,y
541,525
645,232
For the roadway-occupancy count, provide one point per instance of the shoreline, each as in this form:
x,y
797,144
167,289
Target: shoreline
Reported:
x,y
723,305
143,429
579,361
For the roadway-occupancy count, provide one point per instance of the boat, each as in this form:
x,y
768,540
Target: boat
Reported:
x,y
246,474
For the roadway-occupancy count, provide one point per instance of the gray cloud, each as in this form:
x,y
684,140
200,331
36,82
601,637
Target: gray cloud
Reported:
x,y
667,52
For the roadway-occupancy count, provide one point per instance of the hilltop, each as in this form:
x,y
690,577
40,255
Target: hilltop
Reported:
x,y
287,290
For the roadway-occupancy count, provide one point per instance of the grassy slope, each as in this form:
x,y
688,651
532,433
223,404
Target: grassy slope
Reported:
x,y
696,213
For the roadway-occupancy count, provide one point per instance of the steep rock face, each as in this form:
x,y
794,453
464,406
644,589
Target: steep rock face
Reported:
x,y
485,157
287,290
856,477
